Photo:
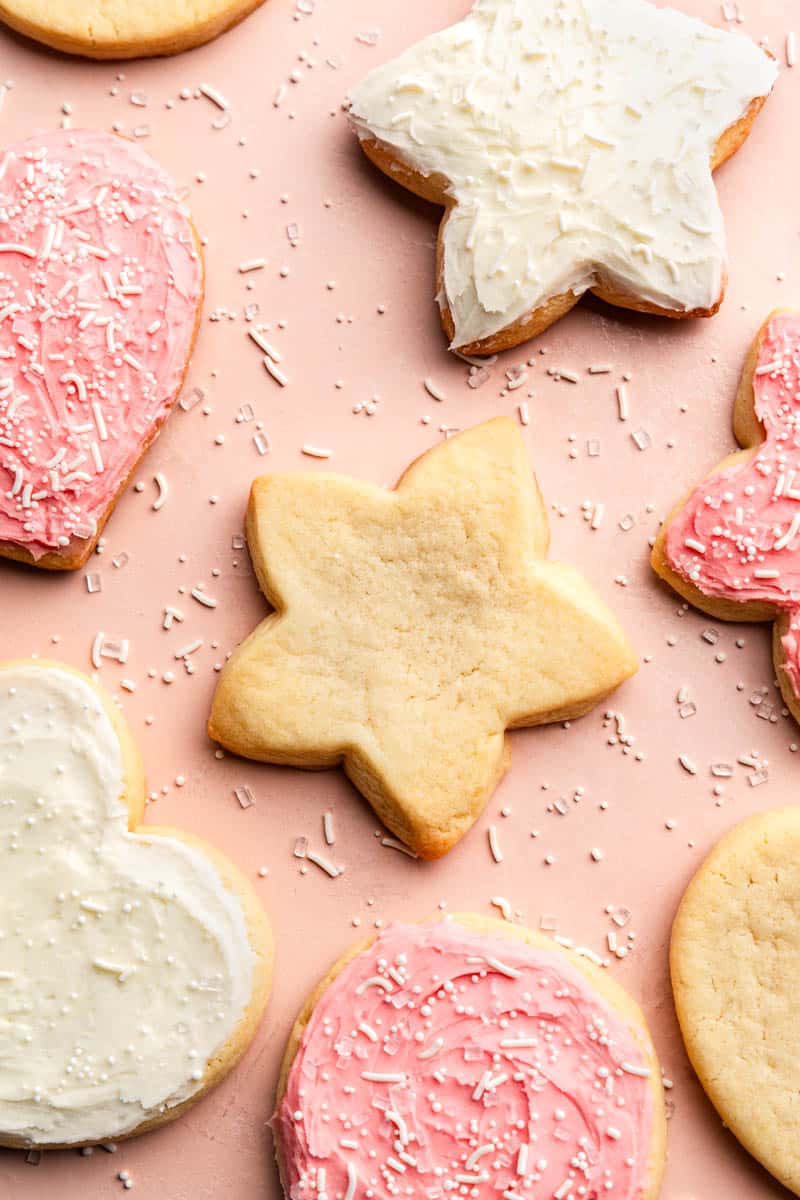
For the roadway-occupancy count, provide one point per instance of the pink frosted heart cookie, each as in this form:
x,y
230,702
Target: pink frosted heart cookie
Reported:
x,y
469,1058
101,283
732,546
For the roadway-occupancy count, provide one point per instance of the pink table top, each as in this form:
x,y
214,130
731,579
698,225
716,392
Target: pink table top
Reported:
x,y
347,294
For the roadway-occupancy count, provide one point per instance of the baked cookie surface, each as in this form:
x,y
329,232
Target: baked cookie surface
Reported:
x,y
412,628
123,28
732,547
735,962
101,285
469,1053
135,963
571,144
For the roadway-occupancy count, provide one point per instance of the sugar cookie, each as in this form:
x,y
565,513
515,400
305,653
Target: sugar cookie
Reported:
x,y
571,143
135,964
735,973
732,547
469,1054
412,629
101,282
124,28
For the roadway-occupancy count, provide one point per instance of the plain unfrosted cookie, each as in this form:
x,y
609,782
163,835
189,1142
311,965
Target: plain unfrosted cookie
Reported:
x,y
124,28
413,627
736,973
135,961
469,1054
101,286
732,546
571,143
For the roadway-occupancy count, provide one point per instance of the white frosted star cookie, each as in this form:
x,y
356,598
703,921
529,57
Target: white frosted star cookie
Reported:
x,y
469,1054
135,963
413,627
735,974
124,28
571,143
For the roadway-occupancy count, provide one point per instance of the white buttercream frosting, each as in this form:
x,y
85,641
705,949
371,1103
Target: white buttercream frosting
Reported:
x,y
125,963
576,138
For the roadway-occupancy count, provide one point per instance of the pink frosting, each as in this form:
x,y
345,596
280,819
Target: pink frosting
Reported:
x,y
100,280
442,1063
738,535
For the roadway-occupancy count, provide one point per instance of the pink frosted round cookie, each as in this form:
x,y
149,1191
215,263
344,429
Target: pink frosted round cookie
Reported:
x,y
469,1058
101,283
732,547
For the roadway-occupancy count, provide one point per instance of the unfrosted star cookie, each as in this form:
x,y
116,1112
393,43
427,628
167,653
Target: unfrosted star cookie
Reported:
x,y
735,962
123,28
732,547
470,1057
101,283
135,963
571,143
412,628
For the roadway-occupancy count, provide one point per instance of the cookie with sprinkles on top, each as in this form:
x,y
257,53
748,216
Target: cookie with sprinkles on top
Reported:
x,y
571,144
469,1057
135,960
412,628
732,547
101,286
124,28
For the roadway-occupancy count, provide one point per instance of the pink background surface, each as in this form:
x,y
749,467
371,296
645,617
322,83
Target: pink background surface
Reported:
x,y
374,243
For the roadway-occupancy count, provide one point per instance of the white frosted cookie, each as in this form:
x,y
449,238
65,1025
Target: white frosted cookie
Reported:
x,y
736,974
135,964
413,627
571,143
123,28
469,1057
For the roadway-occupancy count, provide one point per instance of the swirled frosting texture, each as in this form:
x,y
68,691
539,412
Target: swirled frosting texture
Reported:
x,y
738,535
125,964
100,283
576,138
443,1063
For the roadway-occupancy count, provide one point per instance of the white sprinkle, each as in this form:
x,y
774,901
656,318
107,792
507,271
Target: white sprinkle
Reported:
x,y
368,1031
374,981
693,544
600,369
502,969
597,517
99,421
520,1043
524,416
623,408
632,1069
791,48
352,1179
790,533
14,248
188,649
383,1077
522,1159
494,847
613,1133
562,1190
213,95
504,906
252,264
97,646
275,371
765,573
207,601
264,345
122,973
327,828
431,1050
687,764
323,864
433,390
77,382
161,499
316,451
393,844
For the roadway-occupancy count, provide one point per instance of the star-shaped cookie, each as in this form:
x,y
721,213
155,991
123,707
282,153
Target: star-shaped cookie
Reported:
x,y
571,143
412,628
732,546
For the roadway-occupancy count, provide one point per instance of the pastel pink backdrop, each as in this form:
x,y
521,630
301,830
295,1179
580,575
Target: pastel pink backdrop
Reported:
x,y
373,245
